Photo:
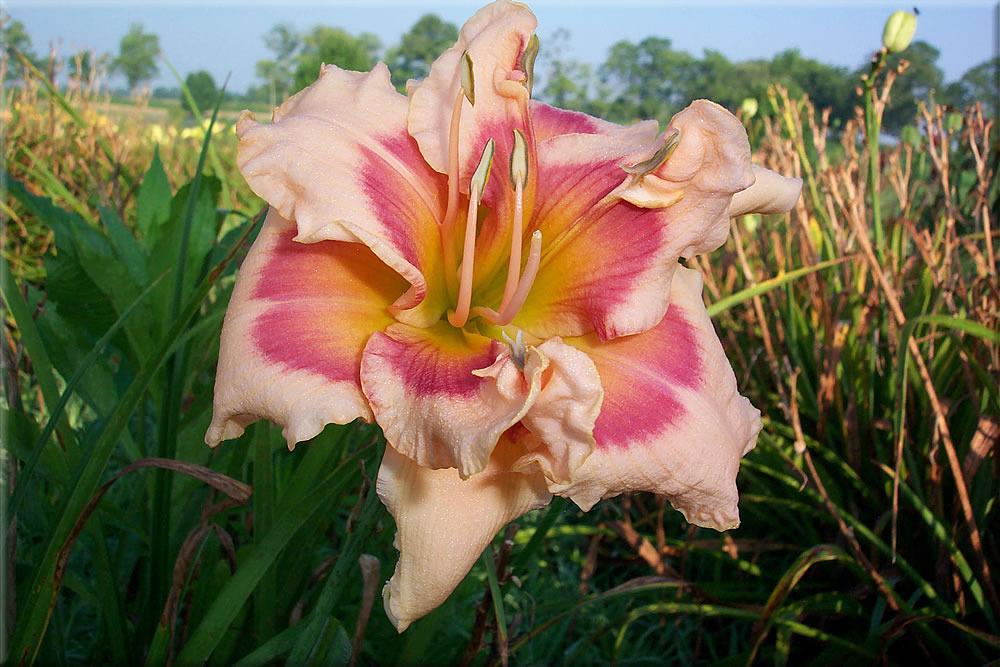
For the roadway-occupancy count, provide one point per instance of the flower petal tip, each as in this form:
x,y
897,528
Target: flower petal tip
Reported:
x,y
401,624
770,192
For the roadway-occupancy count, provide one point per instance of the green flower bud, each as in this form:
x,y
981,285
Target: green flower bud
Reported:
x,y
749,107
898,31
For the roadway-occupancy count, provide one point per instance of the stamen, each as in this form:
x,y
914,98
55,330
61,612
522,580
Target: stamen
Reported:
x,y
527,280
528,62
467,91
519,176
661,155
460,315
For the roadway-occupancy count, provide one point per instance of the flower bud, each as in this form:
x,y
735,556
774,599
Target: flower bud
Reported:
x,y
898,31
749,107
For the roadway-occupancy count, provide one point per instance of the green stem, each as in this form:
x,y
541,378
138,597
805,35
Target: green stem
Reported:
x,y
873,128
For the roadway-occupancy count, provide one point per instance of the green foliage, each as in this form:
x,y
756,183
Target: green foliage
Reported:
x,y
137,53
420,46
278,72
981,82
203,91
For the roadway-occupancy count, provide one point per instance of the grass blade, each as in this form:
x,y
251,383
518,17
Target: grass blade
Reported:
x,y
766,286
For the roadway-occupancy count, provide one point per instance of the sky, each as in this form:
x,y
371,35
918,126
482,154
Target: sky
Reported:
x,y
225,37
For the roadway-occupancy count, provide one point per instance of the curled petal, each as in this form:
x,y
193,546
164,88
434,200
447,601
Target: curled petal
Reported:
x,y
693,188
297,322
672,421
770,193
558,430
443,397
444,522
337,161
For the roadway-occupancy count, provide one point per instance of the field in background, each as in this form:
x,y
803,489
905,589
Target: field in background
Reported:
x,y
864,325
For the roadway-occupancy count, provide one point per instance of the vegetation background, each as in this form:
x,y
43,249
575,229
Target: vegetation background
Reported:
x,y
864,325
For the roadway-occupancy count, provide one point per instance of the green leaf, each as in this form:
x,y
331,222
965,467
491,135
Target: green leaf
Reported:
x,y
25,474
766,286
153,202
33,620
256,561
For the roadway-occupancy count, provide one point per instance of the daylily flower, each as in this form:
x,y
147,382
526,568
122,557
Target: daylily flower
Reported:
x,y
495,282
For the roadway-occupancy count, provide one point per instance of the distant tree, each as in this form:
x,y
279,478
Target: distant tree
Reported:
x,y
567,83
279,71
259,94
643,80
980,84
827,85
137,54
334,46
420,46
202,87
921,78
14,37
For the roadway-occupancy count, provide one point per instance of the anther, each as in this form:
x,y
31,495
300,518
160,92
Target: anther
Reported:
x,y
519,177
528,62
661,155
468,78
467,91
480,177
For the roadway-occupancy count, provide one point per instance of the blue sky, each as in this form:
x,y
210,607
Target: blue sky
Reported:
x,y
225,37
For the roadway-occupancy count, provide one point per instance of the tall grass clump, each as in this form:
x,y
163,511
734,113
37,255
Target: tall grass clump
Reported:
x,y
864,325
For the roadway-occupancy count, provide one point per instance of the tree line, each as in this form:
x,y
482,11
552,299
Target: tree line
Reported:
x,y
648,78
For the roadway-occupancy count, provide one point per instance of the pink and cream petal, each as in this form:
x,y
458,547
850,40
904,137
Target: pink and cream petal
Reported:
x,y
444,522
612,240
549,121
563,415
672,421
770,193
443,396
337,160
297,323
609,273
606,265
